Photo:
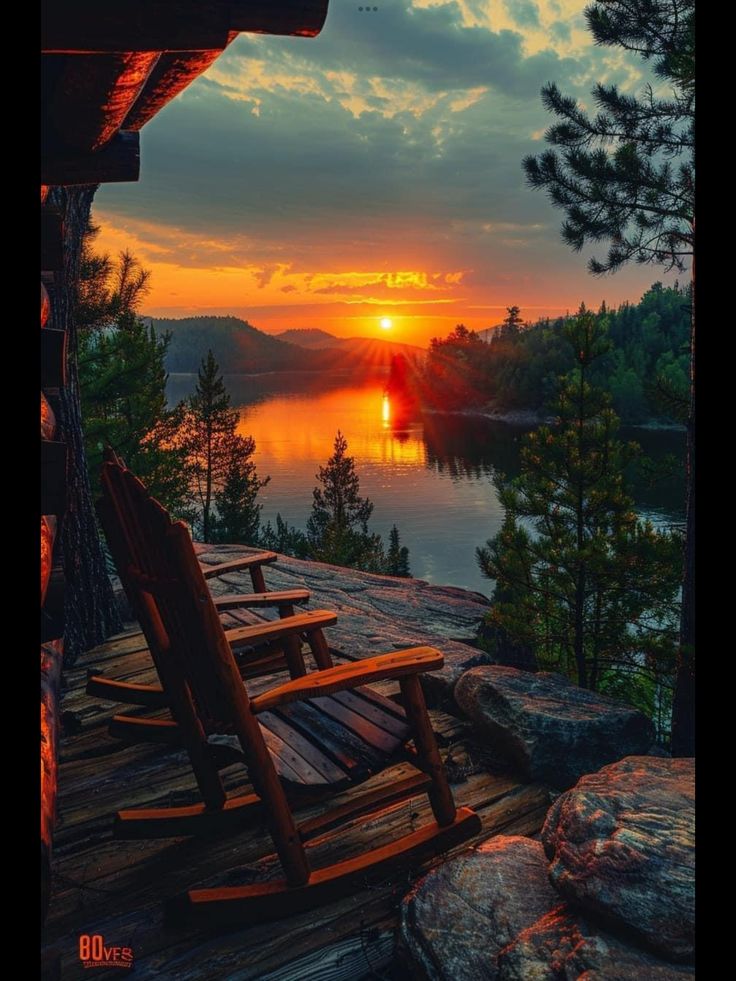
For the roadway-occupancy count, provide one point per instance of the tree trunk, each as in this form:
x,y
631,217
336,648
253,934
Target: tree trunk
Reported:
x,y
683,709
90,610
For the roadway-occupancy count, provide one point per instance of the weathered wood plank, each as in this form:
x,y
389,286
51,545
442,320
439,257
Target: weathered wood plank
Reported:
x,y
51,659
171,25
118,160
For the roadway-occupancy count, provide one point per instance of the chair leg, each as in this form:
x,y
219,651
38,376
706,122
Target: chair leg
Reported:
x,y
318,646
294,657
440,795
256,577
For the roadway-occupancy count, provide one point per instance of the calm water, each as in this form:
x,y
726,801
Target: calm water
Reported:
x,y
433,478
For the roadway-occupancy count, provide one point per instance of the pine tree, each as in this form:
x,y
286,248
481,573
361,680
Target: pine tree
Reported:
x,y
511,325
626,176
337,529
285,539
122,377
213,451
579,579
238,512
397,559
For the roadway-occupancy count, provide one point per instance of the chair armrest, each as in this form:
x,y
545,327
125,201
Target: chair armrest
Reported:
x,y
267,633
236,565
346,676
233,600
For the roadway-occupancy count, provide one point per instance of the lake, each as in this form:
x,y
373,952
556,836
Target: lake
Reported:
x,y
433,477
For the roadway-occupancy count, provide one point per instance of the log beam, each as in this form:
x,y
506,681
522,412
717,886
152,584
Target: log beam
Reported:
x,y
118,160
85,26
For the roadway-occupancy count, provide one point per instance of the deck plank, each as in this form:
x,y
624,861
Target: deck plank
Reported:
x,y
117,888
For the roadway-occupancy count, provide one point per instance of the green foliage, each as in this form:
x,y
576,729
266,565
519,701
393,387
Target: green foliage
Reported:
x,y
578,578
337,529
122,378
645,370
397,558
218,461
238,515
456,370
626,175
285,538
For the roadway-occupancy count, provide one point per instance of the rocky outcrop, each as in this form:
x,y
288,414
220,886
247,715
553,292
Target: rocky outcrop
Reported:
x,y
458,918
549,728
563,945
621,845
376,614
493,915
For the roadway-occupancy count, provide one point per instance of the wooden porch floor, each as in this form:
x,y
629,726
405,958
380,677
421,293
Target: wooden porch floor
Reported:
x,y
117,888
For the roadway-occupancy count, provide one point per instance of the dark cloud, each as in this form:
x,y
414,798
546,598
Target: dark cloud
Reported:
x,y
397,134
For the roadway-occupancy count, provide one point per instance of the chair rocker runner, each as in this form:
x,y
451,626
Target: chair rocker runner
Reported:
x,y
110,508
208,692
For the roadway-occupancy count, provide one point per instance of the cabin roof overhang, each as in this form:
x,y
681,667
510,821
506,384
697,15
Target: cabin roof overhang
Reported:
x,y
108,68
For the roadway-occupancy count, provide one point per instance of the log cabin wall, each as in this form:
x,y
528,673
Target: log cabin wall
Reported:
x,y
107,69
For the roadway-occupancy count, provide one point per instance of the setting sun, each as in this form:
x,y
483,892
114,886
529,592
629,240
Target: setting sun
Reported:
x,y
386,323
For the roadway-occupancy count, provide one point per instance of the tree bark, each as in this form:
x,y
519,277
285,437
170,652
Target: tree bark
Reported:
x,y
90,610
683,709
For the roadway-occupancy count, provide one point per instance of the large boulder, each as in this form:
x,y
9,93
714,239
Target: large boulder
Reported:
x,y
622,847
456,920
550,729
564,946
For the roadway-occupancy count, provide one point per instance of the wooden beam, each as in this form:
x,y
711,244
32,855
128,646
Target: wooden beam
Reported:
x,y
296,18
48,419
85,26
45,305
53,477
52,240
51,659
173,72
118,160
53,358
48,536
86,99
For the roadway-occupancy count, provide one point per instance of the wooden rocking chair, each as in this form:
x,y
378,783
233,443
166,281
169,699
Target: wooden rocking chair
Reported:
x,y
113,511
208,694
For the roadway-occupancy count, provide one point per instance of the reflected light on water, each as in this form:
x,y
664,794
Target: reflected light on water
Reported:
x,y
297,431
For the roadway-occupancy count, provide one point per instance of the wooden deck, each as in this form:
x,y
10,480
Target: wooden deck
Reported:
x,y
118,888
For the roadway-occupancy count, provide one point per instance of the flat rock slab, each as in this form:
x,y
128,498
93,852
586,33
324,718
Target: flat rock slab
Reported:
x,y
547,727
377,614
622,846
459,917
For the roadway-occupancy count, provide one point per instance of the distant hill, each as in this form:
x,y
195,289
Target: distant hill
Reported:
x,y
309,337
487,334
364,347
240,347
236,345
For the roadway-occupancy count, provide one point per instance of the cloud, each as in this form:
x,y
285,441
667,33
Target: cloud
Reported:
x,y
391,142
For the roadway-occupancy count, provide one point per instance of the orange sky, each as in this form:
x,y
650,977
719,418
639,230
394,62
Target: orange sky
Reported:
x,y
371,172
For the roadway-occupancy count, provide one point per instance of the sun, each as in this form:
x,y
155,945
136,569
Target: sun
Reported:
x,y
386,323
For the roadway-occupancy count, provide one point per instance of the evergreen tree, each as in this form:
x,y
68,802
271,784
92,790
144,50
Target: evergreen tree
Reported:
x,y
285,539
214,453
579,579
626,176
238,512
122,377
511,325
337,529
397,558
